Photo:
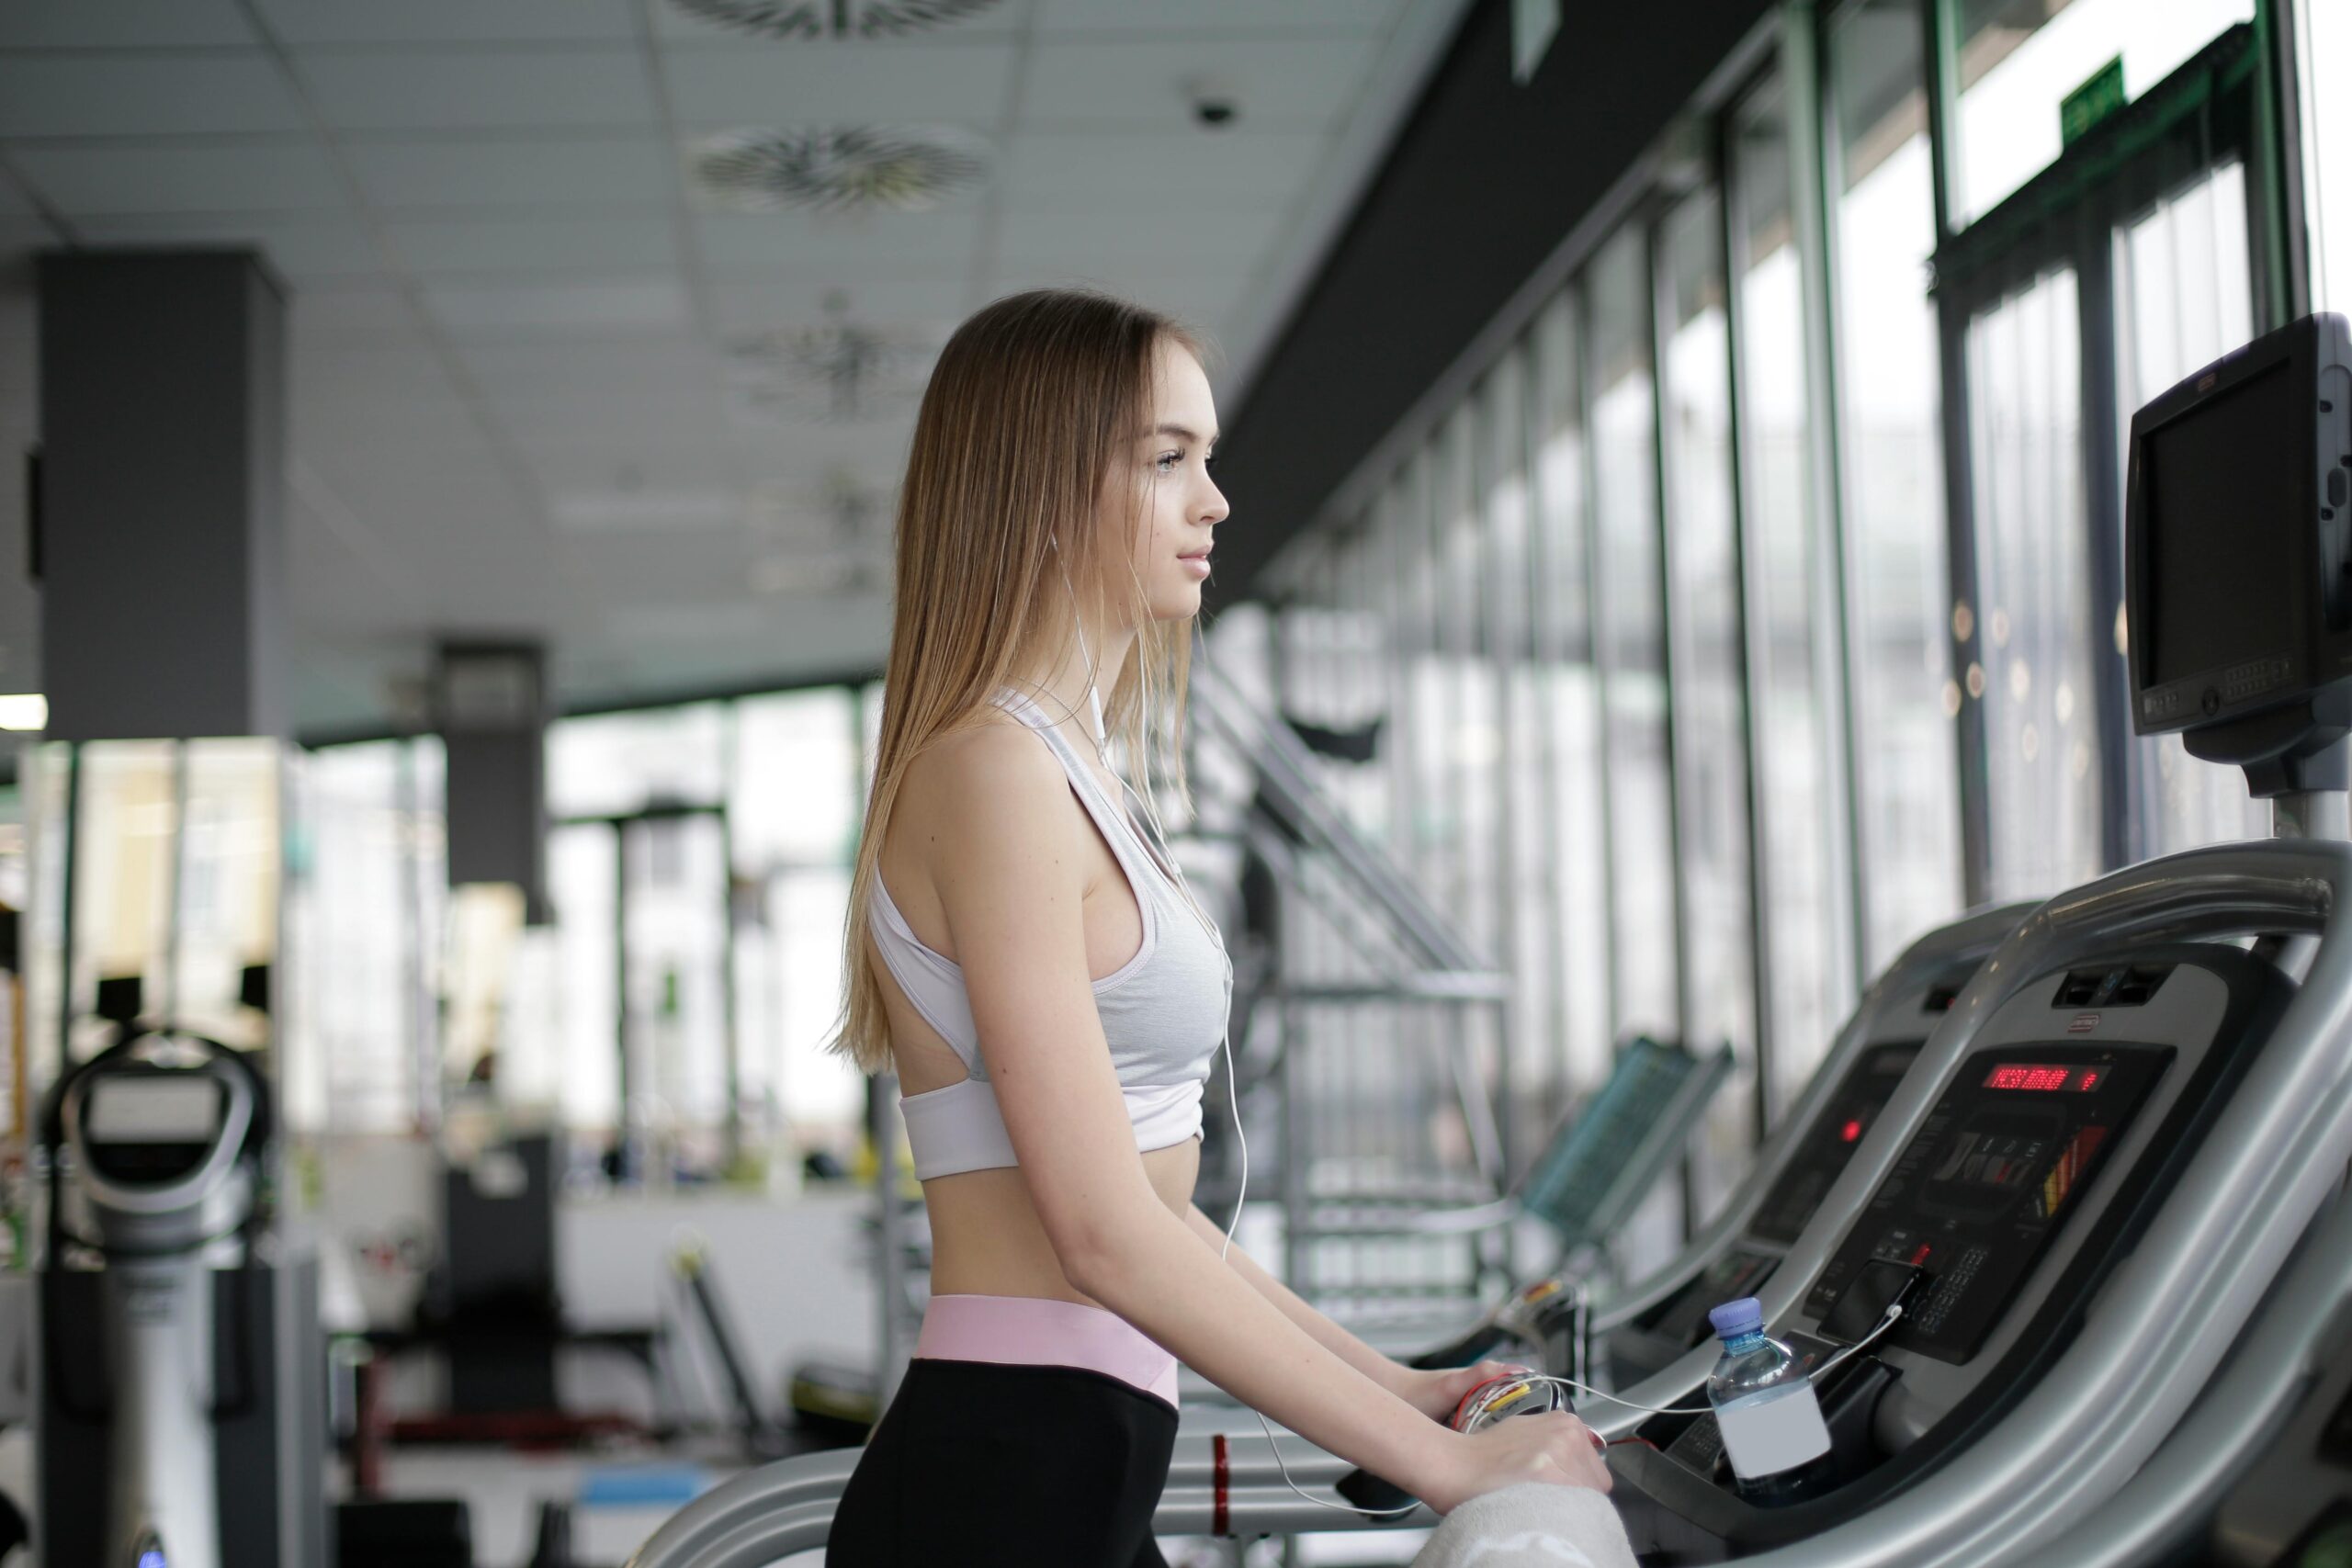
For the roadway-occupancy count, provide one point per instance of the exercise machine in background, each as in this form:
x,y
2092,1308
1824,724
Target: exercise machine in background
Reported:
x,y
182,1418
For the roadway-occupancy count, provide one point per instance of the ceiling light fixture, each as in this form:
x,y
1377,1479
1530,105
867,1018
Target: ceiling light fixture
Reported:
x,y
832,18
839,168
840,372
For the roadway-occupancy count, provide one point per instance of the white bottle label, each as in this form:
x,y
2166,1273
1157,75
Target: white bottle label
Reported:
x,y
1773,1432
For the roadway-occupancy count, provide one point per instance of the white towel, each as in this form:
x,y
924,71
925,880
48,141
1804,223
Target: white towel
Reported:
x,y
1532,1525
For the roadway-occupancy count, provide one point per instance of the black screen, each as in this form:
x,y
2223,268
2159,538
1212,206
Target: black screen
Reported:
x,y
2227,543
1980,1191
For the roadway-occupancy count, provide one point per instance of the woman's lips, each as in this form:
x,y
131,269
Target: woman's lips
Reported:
x,y
1197,565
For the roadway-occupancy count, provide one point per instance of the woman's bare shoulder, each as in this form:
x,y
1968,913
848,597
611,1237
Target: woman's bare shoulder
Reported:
x,y
992,770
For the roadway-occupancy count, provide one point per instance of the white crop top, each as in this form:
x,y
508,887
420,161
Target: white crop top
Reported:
x,y
1163,1010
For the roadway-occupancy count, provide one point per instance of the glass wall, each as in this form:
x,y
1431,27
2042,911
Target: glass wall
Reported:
x,y
1755,606
2018,59
707,845
1710,665
1792,597
2033,587
1630,626
1881,185
1574,840
2324,63
364,902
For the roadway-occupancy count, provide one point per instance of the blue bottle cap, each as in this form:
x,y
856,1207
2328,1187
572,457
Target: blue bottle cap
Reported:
x,y
1733,1319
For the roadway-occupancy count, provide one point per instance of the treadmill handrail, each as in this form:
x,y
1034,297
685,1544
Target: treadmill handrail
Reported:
x,y
2275,884
2171,1501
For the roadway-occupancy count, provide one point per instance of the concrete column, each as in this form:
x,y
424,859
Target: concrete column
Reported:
x,y
490,703
161,544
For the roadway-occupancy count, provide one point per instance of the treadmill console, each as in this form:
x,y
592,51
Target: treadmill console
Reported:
x,y
2047,1145
1830,1141
1979,1193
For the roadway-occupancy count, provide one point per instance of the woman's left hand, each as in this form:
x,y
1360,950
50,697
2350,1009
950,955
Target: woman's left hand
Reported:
x,y
1436,1393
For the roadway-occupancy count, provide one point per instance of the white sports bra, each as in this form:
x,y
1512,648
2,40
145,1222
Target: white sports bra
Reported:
x,y
1163,1010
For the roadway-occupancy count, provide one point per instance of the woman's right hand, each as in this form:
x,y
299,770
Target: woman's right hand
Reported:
x,y
1553,1447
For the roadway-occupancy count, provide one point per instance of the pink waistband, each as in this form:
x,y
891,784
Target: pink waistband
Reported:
x,y
1033,1331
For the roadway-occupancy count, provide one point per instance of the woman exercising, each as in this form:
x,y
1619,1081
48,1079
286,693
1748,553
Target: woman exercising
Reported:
x,y
1051,996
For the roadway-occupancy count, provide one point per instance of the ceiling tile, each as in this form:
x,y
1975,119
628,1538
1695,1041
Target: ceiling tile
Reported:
x,y
145,95
389,370
1052,172
889,244
322,317
626,305
339,420
1324,19
575,170
565,462
303,250
863,84
806,300
678,515
801,460
1174,241
123,24
352,473
439,90
540,244
643,369
274,176
447,21
1278,85
572,414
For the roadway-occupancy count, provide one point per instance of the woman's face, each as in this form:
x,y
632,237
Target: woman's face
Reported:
x,y
1161,482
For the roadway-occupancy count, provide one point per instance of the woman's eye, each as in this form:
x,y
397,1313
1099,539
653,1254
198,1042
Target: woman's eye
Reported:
x,y
1165,462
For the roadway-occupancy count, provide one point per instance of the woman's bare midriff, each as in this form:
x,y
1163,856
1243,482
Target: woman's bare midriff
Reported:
x,y
985,1233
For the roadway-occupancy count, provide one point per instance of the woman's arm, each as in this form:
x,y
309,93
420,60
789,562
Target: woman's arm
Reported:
x,y
1008,866
1287,1301
1434,1393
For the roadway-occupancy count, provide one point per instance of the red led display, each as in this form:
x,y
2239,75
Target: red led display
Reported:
x,y
2043,1078
1851,1131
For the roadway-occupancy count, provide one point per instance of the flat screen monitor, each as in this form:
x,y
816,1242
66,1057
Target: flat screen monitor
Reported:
x,y
2238,537
2226,539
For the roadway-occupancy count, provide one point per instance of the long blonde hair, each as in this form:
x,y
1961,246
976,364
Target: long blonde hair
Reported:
x,y
1034,399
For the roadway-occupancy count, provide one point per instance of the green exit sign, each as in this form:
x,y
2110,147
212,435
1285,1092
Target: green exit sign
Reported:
x,y
2091,103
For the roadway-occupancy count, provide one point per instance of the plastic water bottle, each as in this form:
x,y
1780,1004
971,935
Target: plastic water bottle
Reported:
x,y
1764,1403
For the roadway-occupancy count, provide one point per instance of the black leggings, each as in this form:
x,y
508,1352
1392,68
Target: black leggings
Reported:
x,y
981,1464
